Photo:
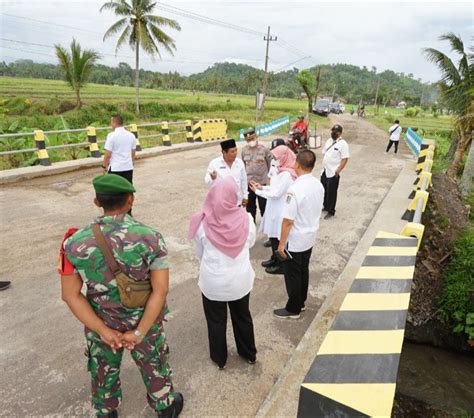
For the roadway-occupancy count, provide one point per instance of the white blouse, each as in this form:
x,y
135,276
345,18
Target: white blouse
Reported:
x,y
223,278
275,195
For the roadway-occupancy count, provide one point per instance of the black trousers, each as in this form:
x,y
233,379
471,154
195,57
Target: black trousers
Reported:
x,y
296,273
126,175
252,204
275,243
330,192
390,143
242,324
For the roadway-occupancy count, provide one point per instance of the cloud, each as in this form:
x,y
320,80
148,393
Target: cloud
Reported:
x,y
387,35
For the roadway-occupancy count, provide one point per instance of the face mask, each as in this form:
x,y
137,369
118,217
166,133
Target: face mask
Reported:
x,y
334,135
252,143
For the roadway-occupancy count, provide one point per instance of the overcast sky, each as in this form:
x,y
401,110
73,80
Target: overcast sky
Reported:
x,y
387,35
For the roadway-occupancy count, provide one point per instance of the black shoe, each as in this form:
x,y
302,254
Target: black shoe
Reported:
x,y
274,270
4,285
329,215
268,263
174,409
267,244
284,314
113,414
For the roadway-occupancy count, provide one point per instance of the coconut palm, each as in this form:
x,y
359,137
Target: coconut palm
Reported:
x,y
141,30
457,91
77,66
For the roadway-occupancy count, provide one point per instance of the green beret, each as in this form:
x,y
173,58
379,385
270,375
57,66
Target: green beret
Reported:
x,y
112,184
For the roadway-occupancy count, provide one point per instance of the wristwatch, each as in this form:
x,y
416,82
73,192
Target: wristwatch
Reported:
x,y
137,333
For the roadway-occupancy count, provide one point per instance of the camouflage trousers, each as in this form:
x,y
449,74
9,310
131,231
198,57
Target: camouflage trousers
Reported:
x,y
151,357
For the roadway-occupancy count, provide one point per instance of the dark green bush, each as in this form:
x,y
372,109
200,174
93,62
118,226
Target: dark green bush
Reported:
x,y
457,296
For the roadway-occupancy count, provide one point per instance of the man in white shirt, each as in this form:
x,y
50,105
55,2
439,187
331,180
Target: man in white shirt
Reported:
x,y
394,132
120,149
301,213
336,155
229,165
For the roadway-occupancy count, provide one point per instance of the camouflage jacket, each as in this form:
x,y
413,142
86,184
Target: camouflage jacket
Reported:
x,y
137,248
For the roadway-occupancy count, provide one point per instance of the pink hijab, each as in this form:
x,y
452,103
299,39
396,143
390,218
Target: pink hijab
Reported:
x,y
225,224
287,159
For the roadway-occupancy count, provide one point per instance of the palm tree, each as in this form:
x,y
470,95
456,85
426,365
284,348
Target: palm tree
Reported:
x,y
141,30
457,92
77,66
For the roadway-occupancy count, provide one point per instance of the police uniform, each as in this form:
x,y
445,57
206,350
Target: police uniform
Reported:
x,y
303,205
257,162
237,171
334,152
138,249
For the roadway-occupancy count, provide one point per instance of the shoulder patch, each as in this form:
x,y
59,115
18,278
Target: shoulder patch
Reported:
x,y
64,266
289,196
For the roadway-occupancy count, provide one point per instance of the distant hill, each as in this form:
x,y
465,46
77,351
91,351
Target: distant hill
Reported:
x,y
348,82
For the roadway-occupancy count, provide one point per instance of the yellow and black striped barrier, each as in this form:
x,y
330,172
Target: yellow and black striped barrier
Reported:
x,y
213,129
92,139
189,132
134,131
165,132
197,131
41,147
355,370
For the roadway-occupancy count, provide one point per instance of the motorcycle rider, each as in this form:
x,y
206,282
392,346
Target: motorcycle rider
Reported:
x,y
302,127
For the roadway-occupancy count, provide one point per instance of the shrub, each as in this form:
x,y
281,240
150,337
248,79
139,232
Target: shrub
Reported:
x,y
412,112
457,296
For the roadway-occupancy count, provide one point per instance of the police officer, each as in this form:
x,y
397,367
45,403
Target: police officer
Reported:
x,y
336,156
257,159
301,213
228,164
110,326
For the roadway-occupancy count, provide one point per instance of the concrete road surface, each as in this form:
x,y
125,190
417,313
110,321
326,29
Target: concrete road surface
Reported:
x,y
42,363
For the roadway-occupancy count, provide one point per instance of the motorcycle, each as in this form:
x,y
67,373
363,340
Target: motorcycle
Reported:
x,y
296,140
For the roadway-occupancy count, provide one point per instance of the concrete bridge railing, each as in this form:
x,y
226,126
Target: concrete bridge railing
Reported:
x,y
354,373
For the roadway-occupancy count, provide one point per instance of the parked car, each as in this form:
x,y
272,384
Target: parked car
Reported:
x,y
321,107
337,108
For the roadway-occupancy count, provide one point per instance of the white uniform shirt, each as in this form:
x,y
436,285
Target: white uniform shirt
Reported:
x,y
237,171
303,205
396,132
333,155
275,195
223,278
121,143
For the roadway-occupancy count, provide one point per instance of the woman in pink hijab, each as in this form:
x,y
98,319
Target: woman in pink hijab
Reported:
x,y
275,194
223,233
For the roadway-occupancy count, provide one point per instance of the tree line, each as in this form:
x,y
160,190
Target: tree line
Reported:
x,y
348,82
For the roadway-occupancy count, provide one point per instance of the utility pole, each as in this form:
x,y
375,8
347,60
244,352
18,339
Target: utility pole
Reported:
x,y
318,78
267,38
377,96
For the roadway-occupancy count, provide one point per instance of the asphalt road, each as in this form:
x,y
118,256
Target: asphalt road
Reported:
x,y
42,363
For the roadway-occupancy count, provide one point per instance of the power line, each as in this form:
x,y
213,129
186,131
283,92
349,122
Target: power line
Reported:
x,y
50,23
291,63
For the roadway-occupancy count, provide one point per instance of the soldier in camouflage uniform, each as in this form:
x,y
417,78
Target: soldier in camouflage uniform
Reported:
x,y
109,325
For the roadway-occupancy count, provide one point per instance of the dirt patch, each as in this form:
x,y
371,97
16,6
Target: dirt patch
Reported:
x,y
446,215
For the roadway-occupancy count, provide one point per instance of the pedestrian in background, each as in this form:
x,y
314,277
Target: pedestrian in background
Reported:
x,y
120,147
223,234
336,156
394,131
